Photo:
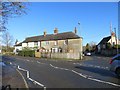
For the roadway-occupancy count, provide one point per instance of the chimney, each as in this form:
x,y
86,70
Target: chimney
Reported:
x,y
112,34
44,33
56,31
75,31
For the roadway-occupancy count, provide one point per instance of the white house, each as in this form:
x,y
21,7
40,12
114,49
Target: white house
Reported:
x,y
18,47
110,39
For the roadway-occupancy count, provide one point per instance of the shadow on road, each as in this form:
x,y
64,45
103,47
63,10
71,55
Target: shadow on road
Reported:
x,y
99,71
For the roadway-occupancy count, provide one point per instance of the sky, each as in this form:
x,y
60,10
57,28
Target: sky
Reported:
x,y
94,18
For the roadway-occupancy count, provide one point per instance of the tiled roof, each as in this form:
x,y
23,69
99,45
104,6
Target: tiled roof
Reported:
x,y
48,37
105,40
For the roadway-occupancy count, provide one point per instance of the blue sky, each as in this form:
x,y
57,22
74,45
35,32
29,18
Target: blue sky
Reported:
x,y
94,19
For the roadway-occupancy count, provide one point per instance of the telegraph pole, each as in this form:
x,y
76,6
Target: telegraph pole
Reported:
x,y
111,32
81,47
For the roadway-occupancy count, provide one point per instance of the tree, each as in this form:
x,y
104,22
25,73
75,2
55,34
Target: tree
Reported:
x,y
10,9
87,47
108,46
7,41
92,46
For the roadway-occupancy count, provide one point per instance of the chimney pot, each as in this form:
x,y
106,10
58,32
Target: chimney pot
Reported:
x,y
75,31
113,34
56,31
44,33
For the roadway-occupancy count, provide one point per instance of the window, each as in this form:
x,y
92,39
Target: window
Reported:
x,y
35,44
56,42
47,42
66,42
60,50
104,46
113,43
54,50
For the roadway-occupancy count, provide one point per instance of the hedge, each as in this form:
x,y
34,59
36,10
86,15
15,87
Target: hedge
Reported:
x,y
30,53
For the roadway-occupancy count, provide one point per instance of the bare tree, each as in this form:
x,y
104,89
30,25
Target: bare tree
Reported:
x,y
92,45
10,9
7,40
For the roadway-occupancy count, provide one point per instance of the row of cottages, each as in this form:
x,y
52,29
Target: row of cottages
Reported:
x,y
66,42
110,39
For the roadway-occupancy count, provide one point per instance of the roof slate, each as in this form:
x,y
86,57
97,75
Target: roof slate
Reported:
x,y
49,37
105,40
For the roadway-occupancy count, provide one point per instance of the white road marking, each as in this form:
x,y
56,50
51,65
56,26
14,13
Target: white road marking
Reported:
x,y
79,74
22,69
90,65
26,85
34,81
110,83
58,67
40,62
87,77
28,75
27,60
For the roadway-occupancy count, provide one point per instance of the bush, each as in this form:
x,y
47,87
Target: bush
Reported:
x,y
116,46
21,53
30,53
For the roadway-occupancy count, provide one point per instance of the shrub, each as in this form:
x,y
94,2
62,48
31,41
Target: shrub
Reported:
x,y
21,53
27,53
116,46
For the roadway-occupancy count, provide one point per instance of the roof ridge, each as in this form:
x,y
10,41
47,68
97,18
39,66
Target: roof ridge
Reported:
x,y
107,36
49,34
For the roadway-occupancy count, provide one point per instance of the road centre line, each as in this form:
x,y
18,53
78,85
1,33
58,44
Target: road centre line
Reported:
x,y
80,74
41,62
87,77
110,83
59,67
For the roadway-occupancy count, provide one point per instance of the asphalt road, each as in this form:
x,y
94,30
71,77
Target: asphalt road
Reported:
x,y
93,72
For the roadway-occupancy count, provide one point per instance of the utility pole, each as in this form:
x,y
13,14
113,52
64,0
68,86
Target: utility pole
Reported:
x,y
111,32
116,41
81,47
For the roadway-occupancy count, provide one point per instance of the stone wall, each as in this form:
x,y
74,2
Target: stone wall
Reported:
x,y
62,55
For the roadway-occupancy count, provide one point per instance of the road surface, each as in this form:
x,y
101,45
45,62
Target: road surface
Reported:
x,y
93,72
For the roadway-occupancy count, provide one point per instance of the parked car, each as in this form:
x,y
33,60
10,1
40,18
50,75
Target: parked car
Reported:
x,y
88,54
115,64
